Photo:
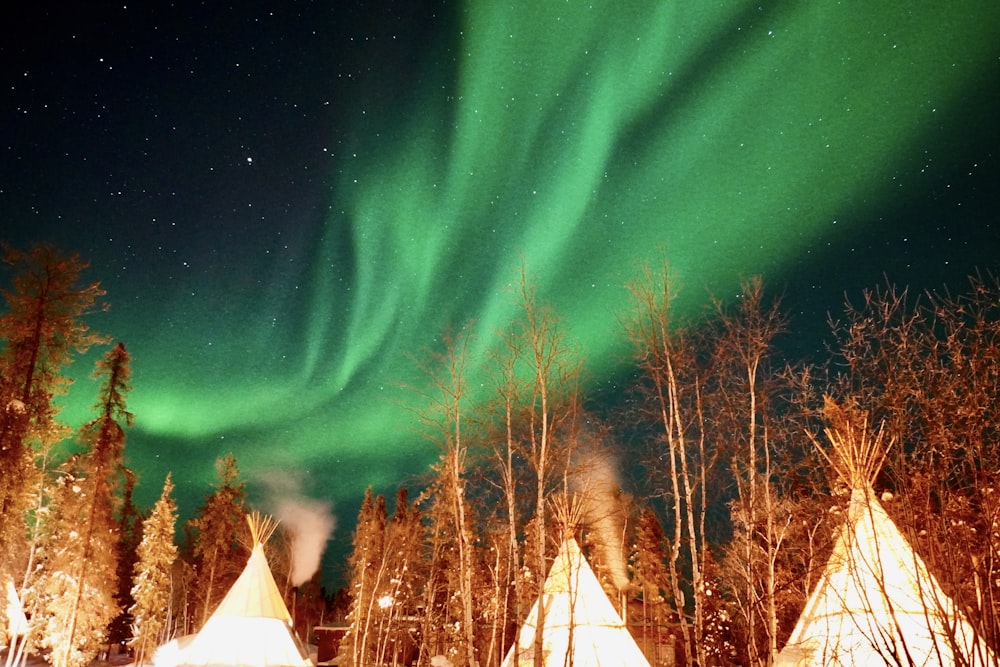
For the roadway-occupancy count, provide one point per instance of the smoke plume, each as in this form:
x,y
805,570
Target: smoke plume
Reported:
x,y
599,488
309,523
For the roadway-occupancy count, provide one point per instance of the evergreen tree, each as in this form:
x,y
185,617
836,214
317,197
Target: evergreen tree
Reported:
x,y
153,587
651,578
218,557
397,595
81,568
720,648
367,556
130,534
40,332
74,590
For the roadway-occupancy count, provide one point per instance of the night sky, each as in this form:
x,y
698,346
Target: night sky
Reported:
x,y
289,202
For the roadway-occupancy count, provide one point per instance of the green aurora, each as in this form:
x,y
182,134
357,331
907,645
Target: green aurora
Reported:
x,y
812,143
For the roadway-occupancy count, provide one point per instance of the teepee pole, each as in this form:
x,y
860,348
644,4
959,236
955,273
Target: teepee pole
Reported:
x,y
854,454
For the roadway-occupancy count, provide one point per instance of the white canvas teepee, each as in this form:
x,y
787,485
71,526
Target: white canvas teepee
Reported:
x,y
14,637
876,602
580,625
252,626
17,623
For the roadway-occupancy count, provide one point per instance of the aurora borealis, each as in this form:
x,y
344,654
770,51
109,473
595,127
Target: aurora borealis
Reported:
x,y
287,204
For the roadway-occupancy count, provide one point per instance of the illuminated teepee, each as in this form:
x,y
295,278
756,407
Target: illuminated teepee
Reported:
x,y
17,623
876,602
580,625
252,626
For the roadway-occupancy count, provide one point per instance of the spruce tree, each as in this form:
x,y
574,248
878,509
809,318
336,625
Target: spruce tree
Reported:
x,y
152,588
218,557
650,576
81,565
397,596
367,556
40,331
130,534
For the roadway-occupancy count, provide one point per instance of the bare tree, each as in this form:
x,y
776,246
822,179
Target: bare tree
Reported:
x,y
754,404
544,417
507,457
453,538
673,376
929,367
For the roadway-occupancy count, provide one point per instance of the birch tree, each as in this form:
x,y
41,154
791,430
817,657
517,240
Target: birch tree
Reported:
x,y
744,397
450,588
929,366
672,380
543,421
509,467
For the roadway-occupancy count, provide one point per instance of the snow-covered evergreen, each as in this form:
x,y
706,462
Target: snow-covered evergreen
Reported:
x,y
153,586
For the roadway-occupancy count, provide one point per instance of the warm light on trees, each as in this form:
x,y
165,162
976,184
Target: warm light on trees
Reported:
x,y
650,579
40,332
671,384
727,473
544,419
451,623
152,589
929,366
79,584
367,554
218,556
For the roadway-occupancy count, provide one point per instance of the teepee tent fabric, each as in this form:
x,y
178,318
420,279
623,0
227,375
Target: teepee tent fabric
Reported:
x,y
876,602
580,624
251,626
17,623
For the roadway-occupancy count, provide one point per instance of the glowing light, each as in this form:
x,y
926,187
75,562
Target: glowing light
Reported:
x,y
582,139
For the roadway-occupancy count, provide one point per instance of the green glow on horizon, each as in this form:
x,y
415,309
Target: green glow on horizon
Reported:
x,y
584,140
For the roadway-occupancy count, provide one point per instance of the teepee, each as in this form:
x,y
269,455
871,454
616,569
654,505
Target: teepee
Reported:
x,y
876,602
251,626
17,623
580,626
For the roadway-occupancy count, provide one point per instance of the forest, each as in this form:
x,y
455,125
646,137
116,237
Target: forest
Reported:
x,y
705,499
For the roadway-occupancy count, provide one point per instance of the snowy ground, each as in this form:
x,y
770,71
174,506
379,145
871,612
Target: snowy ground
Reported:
x,y
32,661
35,661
